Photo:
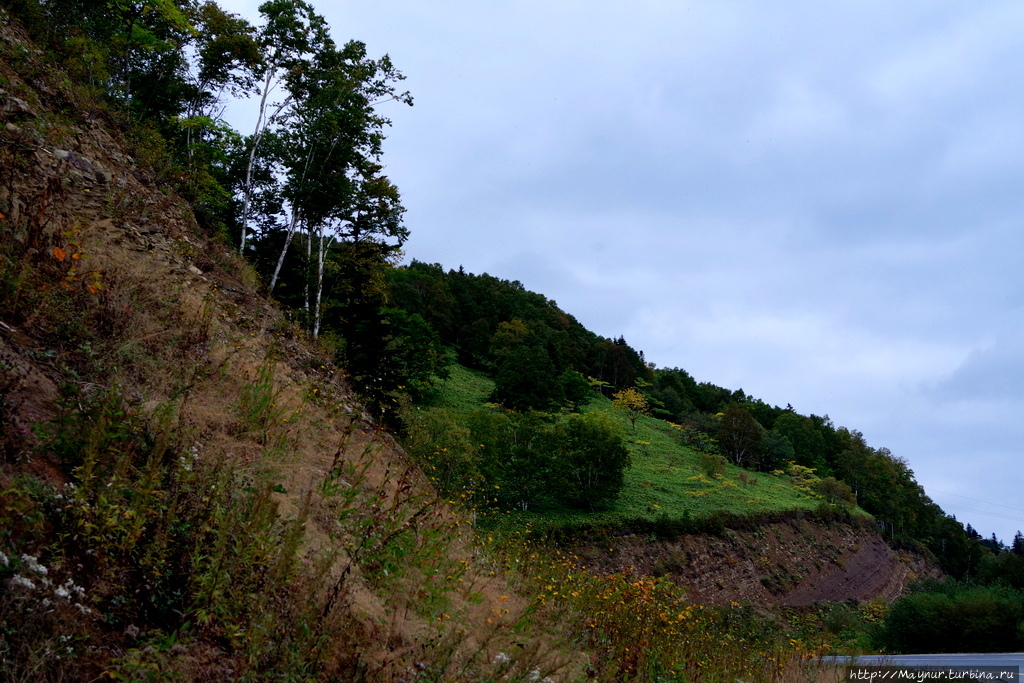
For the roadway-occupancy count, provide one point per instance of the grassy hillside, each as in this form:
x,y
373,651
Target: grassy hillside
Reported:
x,y
665,479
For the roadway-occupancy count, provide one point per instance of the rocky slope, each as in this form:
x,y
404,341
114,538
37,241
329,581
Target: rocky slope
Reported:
x,y
795,563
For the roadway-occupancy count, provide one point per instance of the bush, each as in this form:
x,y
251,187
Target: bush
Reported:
x,y
590,457
443,447
835,492
712,465
516,469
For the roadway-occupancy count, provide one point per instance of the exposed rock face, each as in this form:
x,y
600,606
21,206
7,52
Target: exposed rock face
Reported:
x,y
792,563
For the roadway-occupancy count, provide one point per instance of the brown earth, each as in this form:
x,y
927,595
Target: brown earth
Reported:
x,y
178,322
794,563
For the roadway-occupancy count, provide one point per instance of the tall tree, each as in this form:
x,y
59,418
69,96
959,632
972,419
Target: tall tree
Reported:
x,y
335,130
591,458
291,34
739,435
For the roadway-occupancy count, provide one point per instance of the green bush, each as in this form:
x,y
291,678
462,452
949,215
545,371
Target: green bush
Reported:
x,y
444,447
517,468
590,457
954,617
712,465
835,492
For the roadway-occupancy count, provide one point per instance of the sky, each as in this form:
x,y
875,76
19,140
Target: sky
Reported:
x,y
819,203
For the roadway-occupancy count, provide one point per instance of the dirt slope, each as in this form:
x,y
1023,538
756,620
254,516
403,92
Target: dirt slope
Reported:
x,y
790,563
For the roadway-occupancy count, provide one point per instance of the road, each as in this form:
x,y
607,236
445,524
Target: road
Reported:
x,y
959,661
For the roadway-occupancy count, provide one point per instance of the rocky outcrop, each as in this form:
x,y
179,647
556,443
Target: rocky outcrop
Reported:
x,y
793,563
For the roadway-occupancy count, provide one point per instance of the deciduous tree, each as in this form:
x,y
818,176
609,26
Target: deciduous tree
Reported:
x,y
632,404
739,435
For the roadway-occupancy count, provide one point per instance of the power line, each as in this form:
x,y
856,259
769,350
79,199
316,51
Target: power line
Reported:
x,y
998,505
990,514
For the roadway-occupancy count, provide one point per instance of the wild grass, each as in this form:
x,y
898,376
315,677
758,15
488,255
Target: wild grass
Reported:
x,y
668,479
645,629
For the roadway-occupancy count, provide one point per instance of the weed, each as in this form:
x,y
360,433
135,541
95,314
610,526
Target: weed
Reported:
x,y
261,409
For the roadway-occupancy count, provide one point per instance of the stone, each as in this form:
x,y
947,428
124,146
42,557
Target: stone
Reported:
x,y
9,104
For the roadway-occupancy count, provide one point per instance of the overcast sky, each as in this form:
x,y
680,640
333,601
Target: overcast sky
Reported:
x,y
819,203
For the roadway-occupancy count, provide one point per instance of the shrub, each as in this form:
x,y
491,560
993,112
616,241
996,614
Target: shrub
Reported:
x,y
712,465
835,492
444,447
590,458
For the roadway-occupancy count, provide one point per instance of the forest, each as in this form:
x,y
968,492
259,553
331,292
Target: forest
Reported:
x,y
304,199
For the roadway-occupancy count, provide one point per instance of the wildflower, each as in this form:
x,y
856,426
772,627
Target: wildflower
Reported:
x,y
18,580
32,564
3,560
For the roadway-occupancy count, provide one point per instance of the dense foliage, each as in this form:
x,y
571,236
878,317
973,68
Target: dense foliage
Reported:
x,y
519,460
954,616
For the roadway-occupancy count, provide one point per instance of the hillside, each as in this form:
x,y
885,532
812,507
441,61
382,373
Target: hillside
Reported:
x,y
189,488
196,485
665,478
765,544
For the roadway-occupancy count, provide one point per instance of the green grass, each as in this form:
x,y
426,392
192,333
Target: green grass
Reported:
x,y
664,480
465,390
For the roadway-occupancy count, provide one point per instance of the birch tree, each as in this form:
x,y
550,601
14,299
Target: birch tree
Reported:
x,y
290,37
333,139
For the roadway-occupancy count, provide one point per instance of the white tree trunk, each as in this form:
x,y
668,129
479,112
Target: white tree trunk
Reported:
x,y
262,123
322,250
292,224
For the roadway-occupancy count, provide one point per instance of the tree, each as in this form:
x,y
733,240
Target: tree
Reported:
x,y
835,492
517,469
575,388
954,617
776,451
632,403
292,32
590,458
527,380
333,139
739,435
808,443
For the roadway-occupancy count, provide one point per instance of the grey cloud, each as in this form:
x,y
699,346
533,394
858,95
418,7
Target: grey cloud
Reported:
x,y
992,373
